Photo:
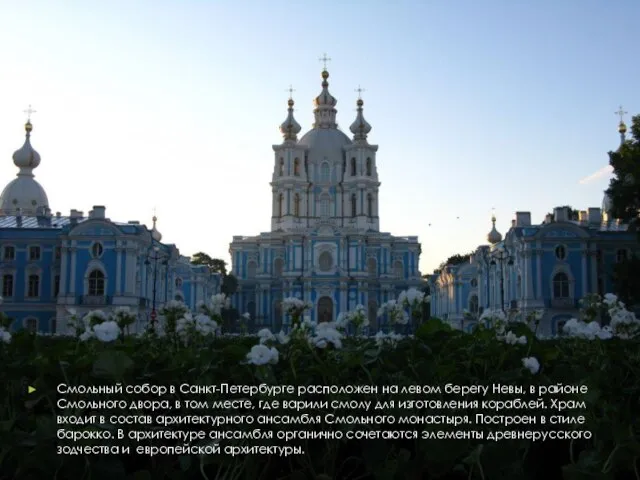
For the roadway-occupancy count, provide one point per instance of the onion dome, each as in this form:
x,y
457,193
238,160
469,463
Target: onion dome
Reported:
x,y
24,194
325,103
494,235
290,128
360,127
155,234
26,158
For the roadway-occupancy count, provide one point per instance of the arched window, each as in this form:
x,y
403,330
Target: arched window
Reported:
x,y
325,202
296,205
325,261
398,269
473,304
281,167
96,283
368,167
280,204
353,167
372,267
251,269
353,205
278,267
369,205
560,285
325,172
33,287
296,167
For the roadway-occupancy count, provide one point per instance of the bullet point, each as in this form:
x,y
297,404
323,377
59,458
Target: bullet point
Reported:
x,y
30,389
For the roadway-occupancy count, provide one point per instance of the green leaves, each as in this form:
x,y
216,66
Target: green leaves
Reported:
x,y
112,364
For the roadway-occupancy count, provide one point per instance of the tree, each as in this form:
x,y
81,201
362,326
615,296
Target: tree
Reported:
x,y
624,188
229,285
216,265
456,259
626,280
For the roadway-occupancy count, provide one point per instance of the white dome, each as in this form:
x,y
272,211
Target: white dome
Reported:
x,y
24,193
330,139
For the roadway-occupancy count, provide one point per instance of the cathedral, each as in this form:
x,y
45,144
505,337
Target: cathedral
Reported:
x,y
52,264
325,245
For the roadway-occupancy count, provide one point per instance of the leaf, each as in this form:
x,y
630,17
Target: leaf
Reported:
x,y
474,456
185,462
112,364
141,475
573,472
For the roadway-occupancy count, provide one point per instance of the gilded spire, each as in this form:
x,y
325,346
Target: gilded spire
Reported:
x,y
290,128
325,103
360,127
494,235
622,127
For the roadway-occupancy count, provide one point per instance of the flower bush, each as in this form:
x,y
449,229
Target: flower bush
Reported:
x,y
191,349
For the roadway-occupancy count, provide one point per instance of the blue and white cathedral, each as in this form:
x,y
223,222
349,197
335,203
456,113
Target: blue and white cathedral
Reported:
x,y
547,266
52,264
325,245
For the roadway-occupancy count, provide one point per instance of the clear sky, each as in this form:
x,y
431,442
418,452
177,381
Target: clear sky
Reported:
x,y
176,104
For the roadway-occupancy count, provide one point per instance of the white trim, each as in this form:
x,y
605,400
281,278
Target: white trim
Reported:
x,y
566,252
30,271
563,268
91,266
92,245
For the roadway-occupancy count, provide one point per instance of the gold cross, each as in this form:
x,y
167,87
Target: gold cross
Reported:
x,y
621,113
29,111
290,90
360,90
325,59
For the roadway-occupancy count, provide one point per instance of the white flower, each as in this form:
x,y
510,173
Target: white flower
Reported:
x,y
511,339
325,334
295,306
219,301
391,339
5,336
282,337
246,316
86,335
262,355
107,331
532,364
266,335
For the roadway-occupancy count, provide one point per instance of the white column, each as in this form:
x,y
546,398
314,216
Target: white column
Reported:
x,y
585,287
539,293
130,271
118,248
72,281
64,269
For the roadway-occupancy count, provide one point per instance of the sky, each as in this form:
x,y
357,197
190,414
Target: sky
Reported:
x,y
175,106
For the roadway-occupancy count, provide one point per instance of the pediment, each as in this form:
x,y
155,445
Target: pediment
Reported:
x,y
95,229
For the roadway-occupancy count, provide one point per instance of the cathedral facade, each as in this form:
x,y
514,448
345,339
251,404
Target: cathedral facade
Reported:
x,y
325,245
52,264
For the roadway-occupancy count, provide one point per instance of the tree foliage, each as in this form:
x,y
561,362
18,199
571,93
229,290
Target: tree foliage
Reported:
x,y
624,188
456,259
216,265
626,280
